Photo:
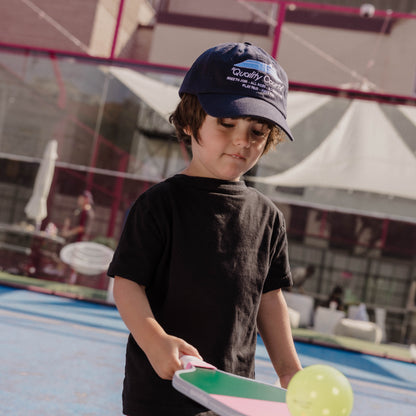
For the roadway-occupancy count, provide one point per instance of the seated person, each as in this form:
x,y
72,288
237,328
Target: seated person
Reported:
x,y
335,299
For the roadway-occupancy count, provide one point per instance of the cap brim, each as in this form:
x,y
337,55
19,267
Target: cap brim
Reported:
x,y
221,105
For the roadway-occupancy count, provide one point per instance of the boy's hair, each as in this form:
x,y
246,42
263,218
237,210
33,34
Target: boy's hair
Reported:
x,y
234,80
189,116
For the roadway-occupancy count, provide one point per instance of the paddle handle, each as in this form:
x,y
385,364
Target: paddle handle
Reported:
x,y
189,361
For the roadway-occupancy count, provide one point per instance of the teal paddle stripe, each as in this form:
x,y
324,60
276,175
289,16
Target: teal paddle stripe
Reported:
x,y
216,382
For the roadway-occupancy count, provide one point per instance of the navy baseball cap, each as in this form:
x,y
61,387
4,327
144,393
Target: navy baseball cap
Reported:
x,y
239,80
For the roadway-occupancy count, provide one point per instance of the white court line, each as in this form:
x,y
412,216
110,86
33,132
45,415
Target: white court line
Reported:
x,y
259,362
52,321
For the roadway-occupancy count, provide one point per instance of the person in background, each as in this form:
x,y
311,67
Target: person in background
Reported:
x,y
335,299
78,226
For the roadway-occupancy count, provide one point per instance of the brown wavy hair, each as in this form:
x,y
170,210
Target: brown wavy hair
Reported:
x,y
189,115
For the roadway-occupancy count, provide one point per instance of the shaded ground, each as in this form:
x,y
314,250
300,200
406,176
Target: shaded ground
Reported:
x,y
63,356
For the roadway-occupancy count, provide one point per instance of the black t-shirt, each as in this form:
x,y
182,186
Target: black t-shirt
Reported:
x,y
206,250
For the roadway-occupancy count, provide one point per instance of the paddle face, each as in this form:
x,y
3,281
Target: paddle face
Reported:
x,y
231,395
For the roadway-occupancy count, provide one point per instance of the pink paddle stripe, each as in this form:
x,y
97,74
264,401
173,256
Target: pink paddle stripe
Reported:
x,y
253,406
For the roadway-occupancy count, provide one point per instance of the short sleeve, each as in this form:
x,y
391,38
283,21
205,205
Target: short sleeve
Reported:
x,y
279,275
140,245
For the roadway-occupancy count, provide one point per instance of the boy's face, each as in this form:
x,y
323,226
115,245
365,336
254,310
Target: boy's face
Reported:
x,y
228,147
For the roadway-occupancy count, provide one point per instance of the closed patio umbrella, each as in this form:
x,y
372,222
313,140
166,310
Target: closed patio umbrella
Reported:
x,y
36,208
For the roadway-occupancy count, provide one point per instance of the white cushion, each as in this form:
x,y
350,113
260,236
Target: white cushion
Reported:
x,y
367,331
303,304
326,319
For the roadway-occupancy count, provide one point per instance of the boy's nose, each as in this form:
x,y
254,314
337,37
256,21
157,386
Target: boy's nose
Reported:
x,y
242,138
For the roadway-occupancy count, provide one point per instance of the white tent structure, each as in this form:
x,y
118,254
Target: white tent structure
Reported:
x,y
160,96
363,153
302,104
362,166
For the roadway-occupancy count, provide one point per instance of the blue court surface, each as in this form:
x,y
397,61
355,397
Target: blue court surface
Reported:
x,y
64,357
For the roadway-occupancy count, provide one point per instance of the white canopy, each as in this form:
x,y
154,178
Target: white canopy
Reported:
x,y
409,112
302,104
364,152
160,96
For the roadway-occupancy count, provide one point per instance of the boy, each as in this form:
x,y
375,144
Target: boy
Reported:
x,y
202,258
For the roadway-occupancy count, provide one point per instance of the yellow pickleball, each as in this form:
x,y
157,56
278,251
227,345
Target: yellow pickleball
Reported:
x,y
319,390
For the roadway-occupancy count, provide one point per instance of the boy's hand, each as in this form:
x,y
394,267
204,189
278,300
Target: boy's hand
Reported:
x,y
164,356
162,350
284,379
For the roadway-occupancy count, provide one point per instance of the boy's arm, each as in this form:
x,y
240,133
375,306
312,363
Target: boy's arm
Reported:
x,y
162,350
274,326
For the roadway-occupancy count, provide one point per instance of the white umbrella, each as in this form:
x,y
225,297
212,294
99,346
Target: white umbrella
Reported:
x,y
36,207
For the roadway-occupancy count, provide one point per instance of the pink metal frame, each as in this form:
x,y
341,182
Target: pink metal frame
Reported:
x,y
147,66
280,17
117,28
279,22
283,5
335,8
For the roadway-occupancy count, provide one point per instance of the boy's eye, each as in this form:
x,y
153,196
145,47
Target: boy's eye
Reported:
x,y
226,123
260,130
260,133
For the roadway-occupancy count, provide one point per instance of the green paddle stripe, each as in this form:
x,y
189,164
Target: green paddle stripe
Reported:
x,y
215,382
